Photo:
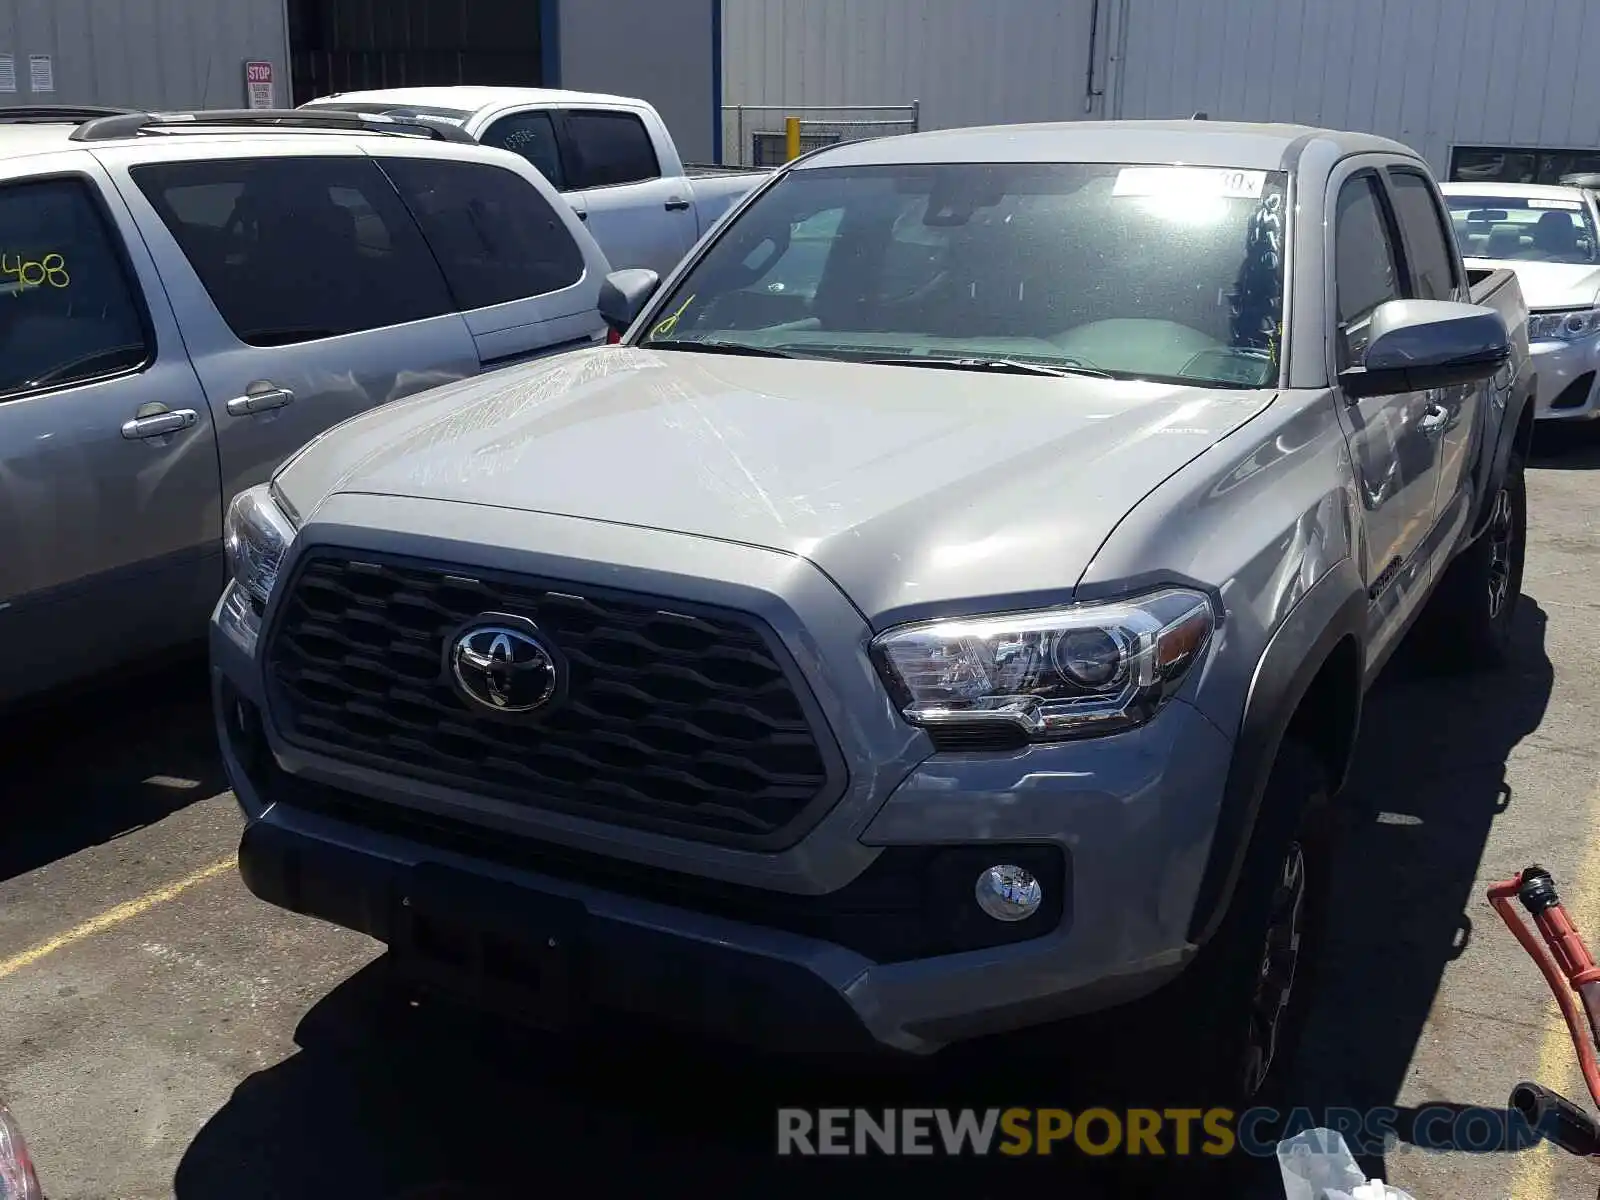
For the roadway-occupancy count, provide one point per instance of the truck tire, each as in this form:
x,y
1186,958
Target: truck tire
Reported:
x,y
1469,621
1228,1025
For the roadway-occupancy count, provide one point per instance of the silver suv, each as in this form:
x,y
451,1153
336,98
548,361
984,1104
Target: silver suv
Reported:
x,y
186,299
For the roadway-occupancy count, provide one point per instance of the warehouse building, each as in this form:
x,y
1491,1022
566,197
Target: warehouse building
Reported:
x,y
1481,95
1484,89
176,54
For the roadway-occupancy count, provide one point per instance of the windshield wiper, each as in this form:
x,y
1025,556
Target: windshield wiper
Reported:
x,y
1013,366
718,348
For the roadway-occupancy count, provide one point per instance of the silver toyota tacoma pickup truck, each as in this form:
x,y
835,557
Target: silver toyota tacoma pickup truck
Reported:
x,y
946,612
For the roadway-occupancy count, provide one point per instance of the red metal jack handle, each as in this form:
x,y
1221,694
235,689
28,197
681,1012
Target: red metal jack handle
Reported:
x,y
1567,965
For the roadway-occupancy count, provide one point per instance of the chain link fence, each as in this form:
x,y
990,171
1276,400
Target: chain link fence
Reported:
x,y
753,134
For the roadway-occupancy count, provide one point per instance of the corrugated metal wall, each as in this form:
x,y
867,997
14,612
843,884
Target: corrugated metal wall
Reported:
x,y
145,53
662,51
1430,73
967,61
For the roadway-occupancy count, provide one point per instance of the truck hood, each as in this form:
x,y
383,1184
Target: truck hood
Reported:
x,y
1551,285
915,489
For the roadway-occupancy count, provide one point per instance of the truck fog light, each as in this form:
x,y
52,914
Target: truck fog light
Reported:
x,y
1008,893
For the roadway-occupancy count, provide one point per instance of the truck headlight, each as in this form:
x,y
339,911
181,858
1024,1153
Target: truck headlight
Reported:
x,y
1569,325
1059,673
254,538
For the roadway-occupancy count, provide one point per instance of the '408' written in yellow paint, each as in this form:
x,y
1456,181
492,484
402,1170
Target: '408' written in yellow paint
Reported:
x,y
49,271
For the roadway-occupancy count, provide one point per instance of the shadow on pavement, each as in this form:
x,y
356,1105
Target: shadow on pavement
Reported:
x,y
383,1101
1566,447
1429,780
80,768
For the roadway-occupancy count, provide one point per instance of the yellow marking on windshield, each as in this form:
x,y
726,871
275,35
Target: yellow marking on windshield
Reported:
x,y
668,324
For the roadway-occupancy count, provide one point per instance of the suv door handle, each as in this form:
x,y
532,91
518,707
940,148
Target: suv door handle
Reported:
x,y
1434,419
159,424
676,204
259,402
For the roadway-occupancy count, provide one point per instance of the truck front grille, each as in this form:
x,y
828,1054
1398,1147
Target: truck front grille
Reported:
x,y
675,717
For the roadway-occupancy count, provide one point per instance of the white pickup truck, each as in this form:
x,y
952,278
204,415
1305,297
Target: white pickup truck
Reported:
x,y
612,157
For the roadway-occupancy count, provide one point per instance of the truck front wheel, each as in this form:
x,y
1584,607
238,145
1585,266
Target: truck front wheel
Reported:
x,y
1222,1033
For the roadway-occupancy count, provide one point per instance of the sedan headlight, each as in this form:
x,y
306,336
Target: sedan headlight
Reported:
x,y
255,536
1059,673
1569,325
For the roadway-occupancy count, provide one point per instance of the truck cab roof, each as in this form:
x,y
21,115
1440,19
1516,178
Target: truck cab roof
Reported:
x,y
1194,142
466,99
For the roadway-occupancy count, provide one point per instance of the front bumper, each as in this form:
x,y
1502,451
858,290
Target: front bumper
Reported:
x,y
1568,373
685,932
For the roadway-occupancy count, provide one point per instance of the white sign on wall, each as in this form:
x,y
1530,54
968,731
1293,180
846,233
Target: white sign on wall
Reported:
x,y
41,73
8,73
258,85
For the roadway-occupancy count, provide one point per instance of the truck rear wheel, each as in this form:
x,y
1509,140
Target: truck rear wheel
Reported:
x,y
1468,625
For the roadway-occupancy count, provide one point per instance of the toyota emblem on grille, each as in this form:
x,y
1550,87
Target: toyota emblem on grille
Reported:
x,y
503,668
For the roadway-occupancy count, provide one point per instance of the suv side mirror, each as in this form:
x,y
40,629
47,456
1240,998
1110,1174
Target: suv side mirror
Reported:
x,y
623,295
1414,345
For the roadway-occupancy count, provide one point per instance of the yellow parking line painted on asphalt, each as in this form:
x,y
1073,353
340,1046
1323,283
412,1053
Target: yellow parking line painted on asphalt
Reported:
x,y
113,916
1557,1067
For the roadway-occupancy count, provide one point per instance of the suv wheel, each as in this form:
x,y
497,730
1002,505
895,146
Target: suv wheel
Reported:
x,y
1469,621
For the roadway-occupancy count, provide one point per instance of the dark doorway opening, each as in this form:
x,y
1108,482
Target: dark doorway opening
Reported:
x,y
347,45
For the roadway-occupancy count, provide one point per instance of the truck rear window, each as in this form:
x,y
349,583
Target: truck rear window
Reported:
x,y
1136,271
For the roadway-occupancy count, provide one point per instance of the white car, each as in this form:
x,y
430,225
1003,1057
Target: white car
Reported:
x,y
1550,236
611,157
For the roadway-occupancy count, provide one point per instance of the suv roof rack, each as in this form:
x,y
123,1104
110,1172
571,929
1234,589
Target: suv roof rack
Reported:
x,y
130,124
75,114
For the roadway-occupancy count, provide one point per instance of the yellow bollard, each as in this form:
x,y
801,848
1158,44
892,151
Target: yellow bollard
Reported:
x,y
791,137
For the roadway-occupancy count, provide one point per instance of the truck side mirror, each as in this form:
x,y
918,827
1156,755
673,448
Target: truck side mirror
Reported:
x,y
623,295
1414,345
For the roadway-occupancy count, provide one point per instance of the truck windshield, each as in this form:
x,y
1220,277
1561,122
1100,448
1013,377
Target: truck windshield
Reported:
x,y
1524,228
1160,273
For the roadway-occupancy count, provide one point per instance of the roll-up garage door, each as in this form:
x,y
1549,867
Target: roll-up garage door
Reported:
x,y
346,45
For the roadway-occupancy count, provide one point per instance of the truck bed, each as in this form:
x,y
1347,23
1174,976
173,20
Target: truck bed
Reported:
x,y
710,170
1485,282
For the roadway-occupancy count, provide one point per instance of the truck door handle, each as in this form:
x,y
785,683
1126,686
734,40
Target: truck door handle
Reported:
x,y
1434,419
159,424
259,402
676,204
583,213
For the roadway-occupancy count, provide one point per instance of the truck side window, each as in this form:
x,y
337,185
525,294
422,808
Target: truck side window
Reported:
x,y
495,236
1366,268
532,135
612,148
1433,271
290,249
68,309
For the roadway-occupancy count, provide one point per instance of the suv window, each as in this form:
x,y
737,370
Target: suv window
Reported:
x,y
532,135
68,310
612,148
296,249
495,236
1366,268
1433,270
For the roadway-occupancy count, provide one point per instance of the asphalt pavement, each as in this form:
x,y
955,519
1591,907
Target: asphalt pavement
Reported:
x,y
162,1032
